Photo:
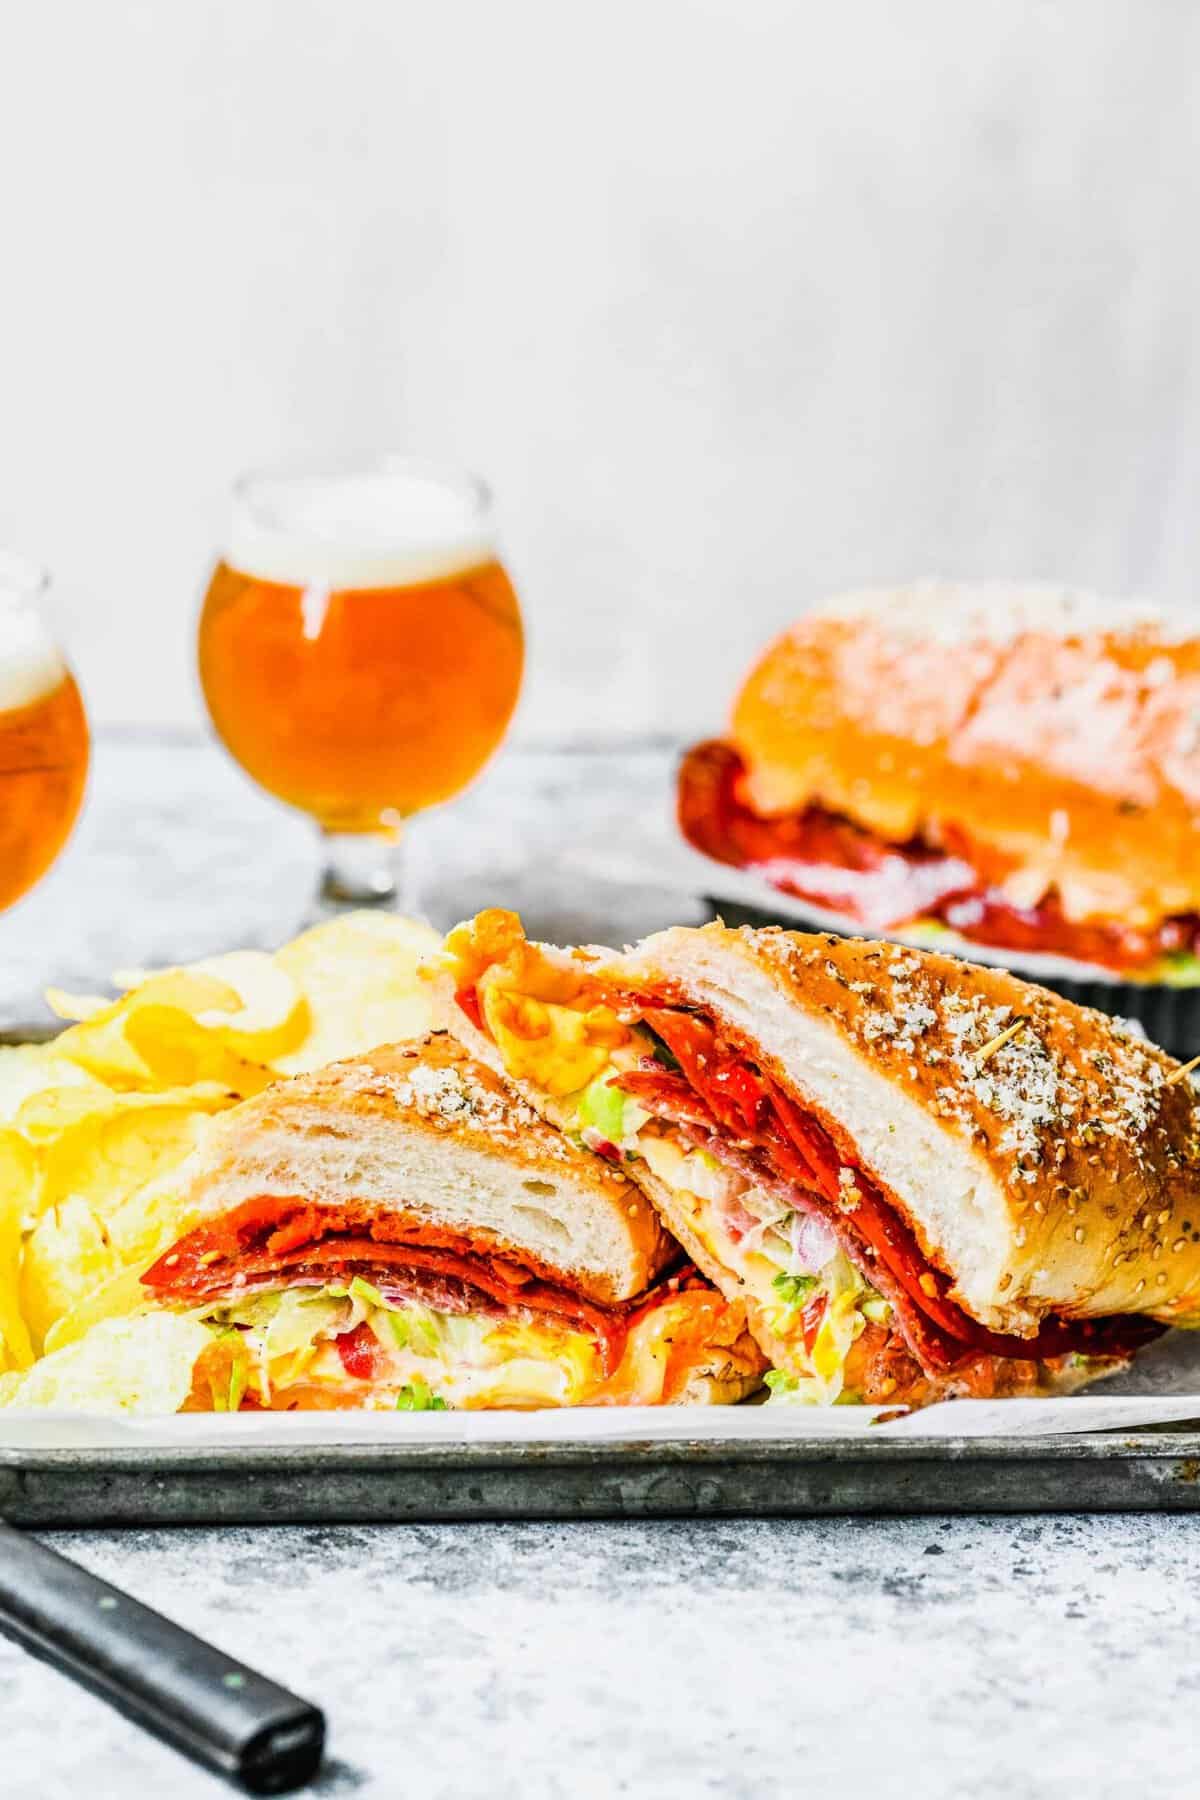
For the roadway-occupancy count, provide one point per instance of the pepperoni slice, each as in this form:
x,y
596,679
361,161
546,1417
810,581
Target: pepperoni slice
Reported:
x,y
267,1242
827,859
723,1090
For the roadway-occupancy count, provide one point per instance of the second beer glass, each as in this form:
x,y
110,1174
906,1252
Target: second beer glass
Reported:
x,y
361,650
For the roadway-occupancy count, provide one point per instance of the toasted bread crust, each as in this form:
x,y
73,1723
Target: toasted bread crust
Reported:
x,y
436,1087
417,1122
1093,1154
1055,736
1049,1170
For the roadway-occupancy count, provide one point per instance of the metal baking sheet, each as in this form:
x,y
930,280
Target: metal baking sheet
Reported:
x,y
717,1475
1151,1471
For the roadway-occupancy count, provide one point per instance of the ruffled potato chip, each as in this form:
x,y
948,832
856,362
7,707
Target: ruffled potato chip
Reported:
x,y
75,1007
102,1146
103,1122
27,1069
273,1017
18,1178
269,1018
148,1221
359,977
122,1296
142,1365
163,1034
67,1256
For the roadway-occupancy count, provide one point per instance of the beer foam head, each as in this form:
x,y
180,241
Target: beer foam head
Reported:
x,y
30,662
390,524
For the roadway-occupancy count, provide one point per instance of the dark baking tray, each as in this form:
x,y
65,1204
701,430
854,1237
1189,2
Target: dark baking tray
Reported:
x,y
1151,1471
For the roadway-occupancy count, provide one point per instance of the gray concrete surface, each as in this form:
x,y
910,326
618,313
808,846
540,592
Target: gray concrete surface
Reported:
x,y
996,1659
943,1658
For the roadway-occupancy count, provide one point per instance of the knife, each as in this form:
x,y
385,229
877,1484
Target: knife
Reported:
x,y
189,1693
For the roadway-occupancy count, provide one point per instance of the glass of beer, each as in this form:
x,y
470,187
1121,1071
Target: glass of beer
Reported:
x,y
361,651
43,734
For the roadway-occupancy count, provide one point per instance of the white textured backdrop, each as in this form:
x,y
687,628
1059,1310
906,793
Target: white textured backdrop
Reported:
x,y
736,301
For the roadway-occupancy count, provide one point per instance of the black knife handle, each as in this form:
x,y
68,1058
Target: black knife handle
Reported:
x,y
203,1702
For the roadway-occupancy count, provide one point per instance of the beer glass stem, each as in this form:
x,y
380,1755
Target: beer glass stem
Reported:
x,y
360,869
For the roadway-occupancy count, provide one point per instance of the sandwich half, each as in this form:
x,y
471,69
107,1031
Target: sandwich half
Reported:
x,y
923,1178
1010,770
403,1230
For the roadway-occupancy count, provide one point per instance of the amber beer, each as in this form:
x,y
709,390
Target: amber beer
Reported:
x,y
361,705
360,645
43,750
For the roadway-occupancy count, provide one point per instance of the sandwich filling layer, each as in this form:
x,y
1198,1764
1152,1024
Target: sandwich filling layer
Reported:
x,y
314,1306
834,862
837,1288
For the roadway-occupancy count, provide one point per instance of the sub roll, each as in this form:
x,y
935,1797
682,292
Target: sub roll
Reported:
x,y
1008,771
403,1231
922,1177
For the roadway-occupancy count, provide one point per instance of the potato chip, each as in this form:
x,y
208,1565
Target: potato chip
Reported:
x,y
273,1017
359,976
120,1297
102,1123
269,1018
27,1069
67,1256
18,1171
104,1146
75,1007
161,1035
150,1219
142,1365
20,1180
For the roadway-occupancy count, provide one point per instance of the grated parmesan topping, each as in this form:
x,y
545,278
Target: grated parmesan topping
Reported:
x,y
1041,1102
441,1083
997,612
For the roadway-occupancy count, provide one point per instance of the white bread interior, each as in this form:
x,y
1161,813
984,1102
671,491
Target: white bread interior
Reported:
x,y
457,1148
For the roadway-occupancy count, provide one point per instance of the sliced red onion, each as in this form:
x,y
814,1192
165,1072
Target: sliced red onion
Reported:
x,y
813,1243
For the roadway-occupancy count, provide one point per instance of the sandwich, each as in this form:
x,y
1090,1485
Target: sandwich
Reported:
x,y
922,1177
1010,772
401,1230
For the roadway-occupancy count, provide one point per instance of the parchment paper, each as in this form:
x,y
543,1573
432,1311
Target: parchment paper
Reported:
x,y
1163,1387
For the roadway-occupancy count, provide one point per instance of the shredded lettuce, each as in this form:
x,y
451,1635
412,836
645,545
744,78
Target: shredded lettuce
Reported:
x,y
424,1330
302,1317
1179,970
416,1396
794,1290
281,1338
259,1346
615,1116
366,1292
